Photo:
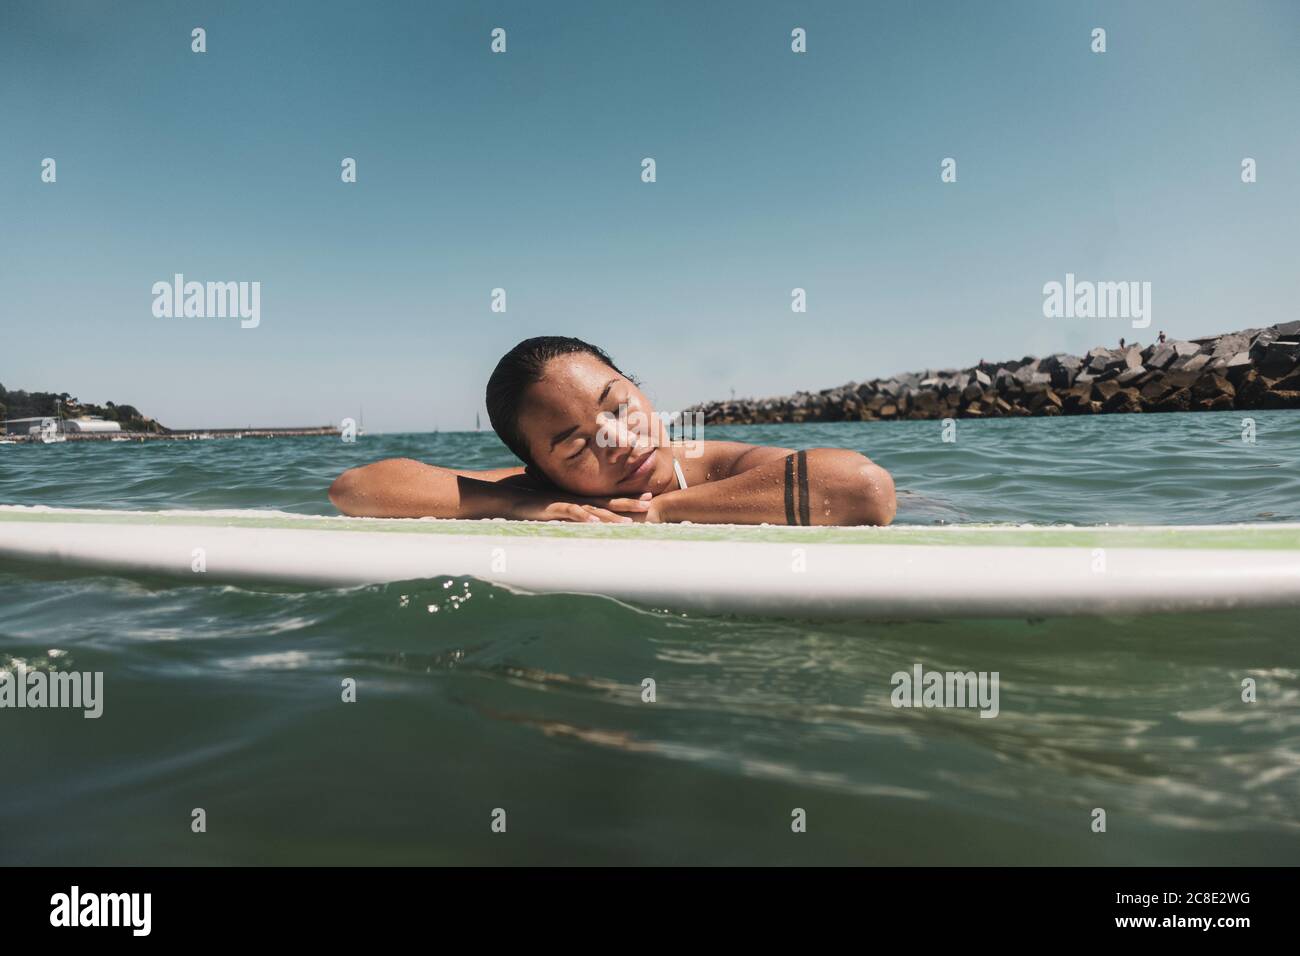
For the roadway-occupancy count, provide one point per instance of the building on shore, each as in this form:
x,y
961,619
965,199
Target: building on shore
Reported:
x,y
91,424
25,426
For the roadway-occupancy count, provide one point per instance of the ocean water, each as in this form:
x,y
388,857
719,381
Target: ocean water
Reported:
x,y
472,699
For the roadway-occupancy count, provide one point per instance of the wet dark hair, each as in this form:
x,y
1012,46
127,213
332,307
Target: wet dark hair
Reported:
x,y
521,367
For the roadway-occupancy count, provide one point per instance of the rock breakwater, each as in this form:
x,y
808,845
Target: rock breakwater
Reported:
x,y
1251,369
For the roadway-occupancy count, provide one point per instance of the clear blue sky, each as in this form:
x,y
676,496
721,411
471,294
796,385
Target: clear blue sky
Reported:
x,y
522,171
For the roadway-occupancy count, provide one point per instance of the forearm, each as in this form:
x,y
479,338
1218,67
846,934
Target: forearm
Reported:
x,y
823,486
403,488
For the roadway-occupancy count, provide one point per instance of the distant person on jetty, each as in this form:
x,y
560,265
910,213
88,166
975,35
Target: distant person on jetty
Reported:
x,y
594,450
1161,340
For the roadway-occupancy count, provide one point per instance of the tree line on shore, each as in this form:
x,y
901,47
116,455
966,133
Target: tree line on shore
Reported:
x,y
23,404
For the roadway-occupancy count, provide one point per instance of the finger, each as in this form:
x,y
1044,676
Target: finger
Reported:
x,y
607,516
577,513
630,504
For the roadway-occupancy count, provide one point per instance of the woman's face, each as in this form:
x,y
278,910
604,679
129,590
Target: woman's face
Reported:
x,y
592,432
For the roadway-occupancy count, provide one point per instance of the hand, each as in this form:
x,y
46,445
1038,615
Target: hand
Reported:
x,y
633,506
599,510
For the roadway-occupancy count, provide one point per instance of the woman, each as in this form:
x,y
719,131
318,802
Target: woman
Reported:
x,y
594,450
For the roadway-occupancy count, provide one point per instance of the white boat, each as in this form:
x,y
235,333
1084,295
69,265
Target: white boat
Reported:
x,y
50,432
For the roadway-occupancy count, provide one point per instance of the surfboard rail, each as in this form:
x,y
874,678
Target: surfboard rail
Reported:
x,y
897,572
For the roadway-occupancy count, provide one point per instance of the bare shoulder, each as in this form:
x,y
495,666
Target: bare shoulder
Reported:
x,y
726,459
410,469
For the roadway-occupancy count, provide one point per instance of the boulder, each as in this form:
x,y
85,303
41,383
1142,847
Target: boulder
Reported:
x,y
1124,400
1210,386
1235,360
1044,399
1176,401
1278,359
1107,360
1228,345
1062,370
1191,363
1102,391
1252,389
1260,343
1062,377
1289,384
1220,403
1154,390
1279,399
1025,374
926,403
1236,373
1063,360
1162,356
1182,378
1098,363
1077,399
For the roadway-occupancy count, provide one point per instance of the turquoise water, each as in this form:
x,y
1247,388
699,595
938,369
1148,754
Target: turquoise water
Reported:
x,y
471,698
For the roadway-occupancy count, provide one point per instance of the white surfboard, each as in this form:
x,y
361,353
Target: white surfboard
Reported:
x,y
898,572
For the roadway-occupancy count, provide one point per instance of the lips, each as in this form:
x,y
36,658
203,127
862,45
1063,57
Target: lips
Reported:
x,y
640,468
